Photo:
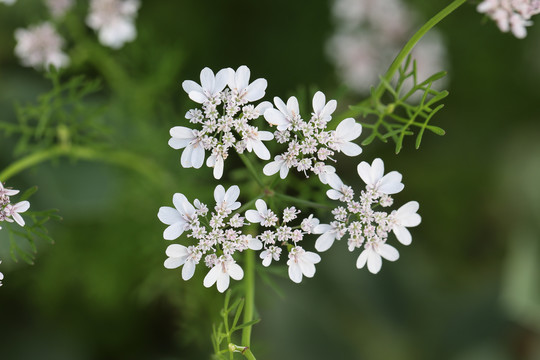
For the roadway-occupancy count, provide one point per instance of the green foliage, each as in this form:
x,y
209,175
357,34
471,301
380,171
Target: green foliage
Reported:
x,y
60,116
22,240
225,331
400,117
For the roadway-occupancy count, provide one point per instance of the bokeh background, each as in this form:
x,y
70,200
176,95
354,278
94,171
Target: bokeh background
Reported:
x,y
467,288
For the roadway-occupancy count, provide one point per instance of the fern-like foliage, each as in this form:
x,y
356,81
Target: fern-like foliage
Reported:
x,y
59,117
400,116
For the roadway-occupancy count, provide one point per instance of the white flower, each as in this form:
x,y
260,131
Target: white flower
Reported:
x,y
254,143
7,192
511,15
113,20
262,215
330,233
372,254
374,179
180,255
239,83
183,137
40,46
280,164
217,162
178,217
272,253
309,224
321,109
301,262
339,190
58,8
285,116
326,173
226,200
13,211
224,269
210,85
347,131
403,218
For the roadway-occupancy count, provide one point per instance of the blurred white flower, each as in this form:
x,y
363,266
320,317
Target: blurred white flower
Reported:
x,y
8,2
114,21
40,46
13,211
511,15
59,8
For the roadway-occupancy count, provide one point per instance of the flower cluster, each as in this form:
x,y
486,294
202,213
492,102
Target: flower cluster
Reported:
x,y
224,121
59,8
309,143
368,35
114,21
220,235
40,46
511,15
359,218
11,212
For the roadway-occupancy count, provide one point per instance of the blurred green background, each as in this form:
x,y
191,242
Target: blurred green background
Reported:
x,y
467,288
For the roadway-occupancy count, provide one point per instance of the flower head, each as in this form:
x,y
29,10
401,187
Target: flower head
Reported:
x,y
224,269
373,176
302,263
114,21
40,46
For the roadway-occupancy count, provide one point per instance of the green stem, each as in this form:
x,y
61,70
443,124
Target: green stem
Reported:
x,y
252,169
379,91
121,158
249,288
249,355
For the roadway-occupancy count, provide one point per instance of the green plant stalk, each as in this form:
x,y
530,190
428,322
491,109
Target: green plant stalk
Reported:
x,y
249,288
379,91
121,158
252,169
301,201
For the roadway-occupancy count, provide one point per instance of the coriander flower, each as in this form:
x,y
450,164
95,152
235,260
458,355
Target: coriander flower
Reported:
x,y
347,131
286,116
403,218
262,215
183,137
372,254
254,143
224,269
330,233
321,109
272,253
302,262
226,200
210,86
280,164
180,255
114,21
13,211
40,46
372,175
178,218
511,15
246,92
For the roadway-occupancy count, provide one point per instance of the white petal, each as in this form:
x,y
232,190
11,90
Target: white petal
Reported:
x,y
282,107
265,135
295,273
261,151
176,251
235,271
322,228
253,216
351,149
402,234
333,194
219,194
185,160
207,79
307,268
267,259
190,86
18,219
223,77
188,270
374,262
325,241
319,100
198,97
353,131
292,105
328,109
377,170
391,183
223,281
364,171
272,168
275,117
388,252
218,168
256,89
173,263
312,257
335,182
178,143
260,204
212,276
232,194
169,215
21,206
362,259
255,244
283,171
242,77
174,231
